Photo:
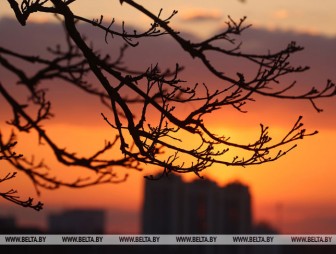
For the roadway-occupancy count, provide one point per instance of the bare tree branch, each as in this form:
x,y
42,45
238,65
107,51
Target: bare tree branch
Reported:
x,y
6,153
131,95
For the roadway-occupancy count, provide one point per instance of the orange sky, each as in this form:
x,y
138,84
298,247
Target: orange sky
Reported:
x,y
304,177
302,182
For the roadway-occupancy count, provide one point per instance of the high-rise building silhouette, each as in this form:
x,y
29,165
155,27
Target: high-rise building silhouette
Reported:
x,y
172,206
163,205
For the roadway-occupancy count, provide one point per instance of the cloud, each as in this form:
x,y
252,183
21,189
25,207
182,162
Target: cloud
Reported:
x,y
319,53
281,14
197,15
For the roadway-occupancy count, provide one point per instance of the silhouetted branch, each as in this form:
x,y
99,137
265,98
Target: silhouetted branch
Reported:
x,y
11,195
133,97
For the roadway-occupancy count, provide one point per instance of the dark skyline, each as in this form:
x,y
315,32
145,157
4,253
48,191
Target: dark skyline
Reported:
x,y
172,206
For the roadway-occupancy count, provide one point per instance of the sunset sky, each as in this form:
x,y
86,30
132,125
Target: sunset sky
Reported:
x,y
295,194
